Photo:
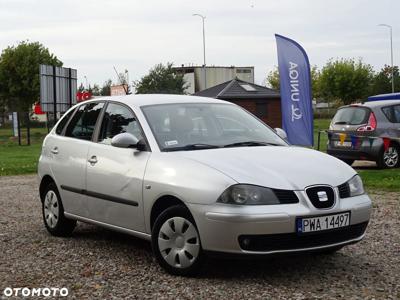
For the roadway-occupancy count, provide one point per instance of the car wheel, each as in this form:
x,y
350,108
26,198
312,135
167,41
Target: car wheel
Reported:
x,y
348,161
53,213
389,158
176,242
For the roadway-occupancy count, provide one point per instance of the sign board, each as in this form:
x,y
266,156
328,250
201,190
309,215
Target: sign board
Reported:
x,y
118,90
15,123
58,87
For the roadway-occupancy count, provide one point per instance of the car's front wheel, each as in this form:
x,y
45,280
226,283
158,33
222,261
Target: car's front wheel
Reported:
x,y
176,242
389,158
53,213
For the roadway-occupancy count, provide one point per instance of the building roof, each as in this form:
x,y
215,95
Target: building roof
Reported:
x,y
238,89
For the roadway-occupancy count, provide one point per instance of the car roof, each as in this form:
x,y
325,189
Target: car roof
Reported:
x,y
139,100
381,103
373,104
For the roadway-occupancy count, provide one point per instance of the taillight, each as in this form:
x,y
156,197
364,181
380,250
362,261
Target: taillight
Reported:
x,y
371,125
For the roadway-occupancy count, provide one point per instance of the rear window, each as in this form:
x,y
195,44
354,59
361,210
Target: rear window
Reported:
x,y
351,116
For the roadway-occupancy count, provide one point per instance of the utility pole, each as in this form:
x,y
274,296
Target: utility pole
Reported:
x,y
204,50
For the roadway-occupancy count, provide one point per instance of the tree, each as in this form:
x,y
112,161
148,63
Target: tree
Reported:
x,y
382,82
273,80
19,73
161,80
345,80
106,88
96,91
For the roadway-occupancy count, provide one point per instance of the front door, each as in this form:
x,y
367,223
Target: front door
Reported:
x,y
115,175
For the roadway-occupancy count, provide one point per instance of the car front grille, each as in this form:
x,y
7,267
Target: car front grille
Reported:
x,y
328,196
286,196
293,241
344,190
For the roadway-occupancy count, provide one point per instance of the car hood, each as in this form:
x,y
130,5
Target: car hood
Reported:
x,y
292,168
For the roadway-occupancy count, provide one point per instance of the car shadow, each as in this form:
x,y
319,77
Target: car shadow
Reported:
x,y
274,269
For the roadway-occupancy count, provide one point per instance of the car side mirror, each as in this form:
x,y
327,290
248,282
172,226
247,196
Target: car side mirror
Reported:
x,y
282,133
125,140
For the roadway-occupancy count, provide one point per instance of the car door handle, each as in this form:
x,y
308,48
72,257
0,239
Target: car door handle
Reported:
x,y
93,159
54,150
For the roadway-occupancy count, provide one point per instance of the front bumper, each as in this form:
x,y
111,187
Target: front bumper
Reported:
x,y
272,228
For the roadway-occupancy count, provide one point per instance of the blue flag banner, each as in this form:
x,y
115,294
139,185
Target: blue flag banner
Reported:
x,y
295,82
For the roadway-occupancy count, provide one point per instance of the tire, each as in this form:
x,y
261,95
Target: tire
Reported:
x,y
53,213
390,158
176,242
348,161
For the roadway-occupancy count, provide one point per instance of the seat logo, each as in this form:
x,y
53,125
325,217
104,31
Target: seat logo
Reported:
x,y
322,196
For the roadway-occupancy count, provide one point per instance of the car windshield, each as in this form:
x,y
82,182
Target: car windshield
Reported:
x,y
192,126
351,116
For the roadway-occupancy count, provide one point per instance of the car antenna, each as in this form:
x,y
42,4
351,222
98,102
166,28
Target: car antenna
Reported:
x,y
123,85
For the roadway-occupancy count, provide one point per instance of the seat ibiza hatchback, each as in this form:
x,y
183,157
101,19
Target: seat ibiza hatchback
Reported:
x,y
195,175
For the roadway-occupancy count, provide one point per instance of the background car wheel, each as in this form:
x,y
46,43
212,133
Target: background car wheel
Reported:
x,y
53,213
348,161
176,242
389,158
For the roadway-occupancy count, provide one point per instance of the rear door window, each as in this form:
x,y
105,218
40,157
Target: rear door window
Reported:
x,y
83,123
351,116
392,113
63,122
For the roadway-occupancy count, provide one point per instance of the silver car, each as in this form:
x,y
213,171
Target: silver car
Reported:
x,y
369,123
195,175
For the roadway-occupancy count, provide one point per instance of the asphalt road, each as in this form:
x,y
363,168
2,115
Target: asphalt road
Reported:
x,y
96,263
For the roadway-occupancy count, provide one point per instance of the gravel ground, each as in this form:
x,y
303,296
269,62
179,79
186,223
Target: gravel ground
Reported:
x,y
96,263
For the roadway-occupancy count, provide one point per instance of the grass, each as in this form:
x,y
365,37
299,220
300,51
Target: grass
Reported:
x,y
17,160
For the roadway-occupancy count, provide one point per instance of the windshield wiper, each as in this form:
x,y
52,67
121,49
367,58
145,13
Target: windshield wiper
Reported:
x,y
197,146
250,144
341,123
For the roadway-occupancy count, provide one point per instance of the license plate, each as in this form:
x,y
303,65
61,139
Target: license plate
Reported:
x,y
321,223
344,145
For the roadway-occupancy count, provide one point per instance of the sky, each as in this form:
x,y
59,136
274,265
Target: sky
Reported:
x,y
94,36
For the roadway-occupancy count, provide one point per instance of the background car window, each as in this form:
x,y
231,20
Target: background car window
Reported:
x,y
396,113
351,116
118,119
83,123
63,122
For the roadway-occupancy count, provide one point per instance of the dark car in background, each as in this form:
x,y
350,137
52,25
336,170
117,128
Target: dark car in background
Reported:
x,y
364,128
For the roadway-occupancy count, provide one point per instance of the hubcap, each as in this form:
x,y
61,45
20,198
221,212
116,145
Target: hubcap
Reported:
x,y
178,242
51,209
391,157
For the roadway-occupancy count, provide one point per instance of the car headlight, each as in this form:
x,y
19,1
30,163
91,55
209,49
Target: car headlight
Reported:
x,y
356,186
245,194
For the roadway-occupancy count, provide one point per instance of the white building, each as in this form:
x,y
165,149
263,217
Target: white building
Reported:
x,y
214,75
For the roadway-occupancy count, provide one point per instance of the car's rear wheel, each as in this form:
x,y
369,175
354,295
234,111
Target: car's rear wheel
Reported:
x,y
348,161
53,213
176,242
389,158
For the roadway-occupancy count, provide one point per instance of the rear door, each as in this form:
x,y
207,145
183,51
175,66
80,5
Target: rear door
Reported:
x,y
69,151
115,175
392,113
